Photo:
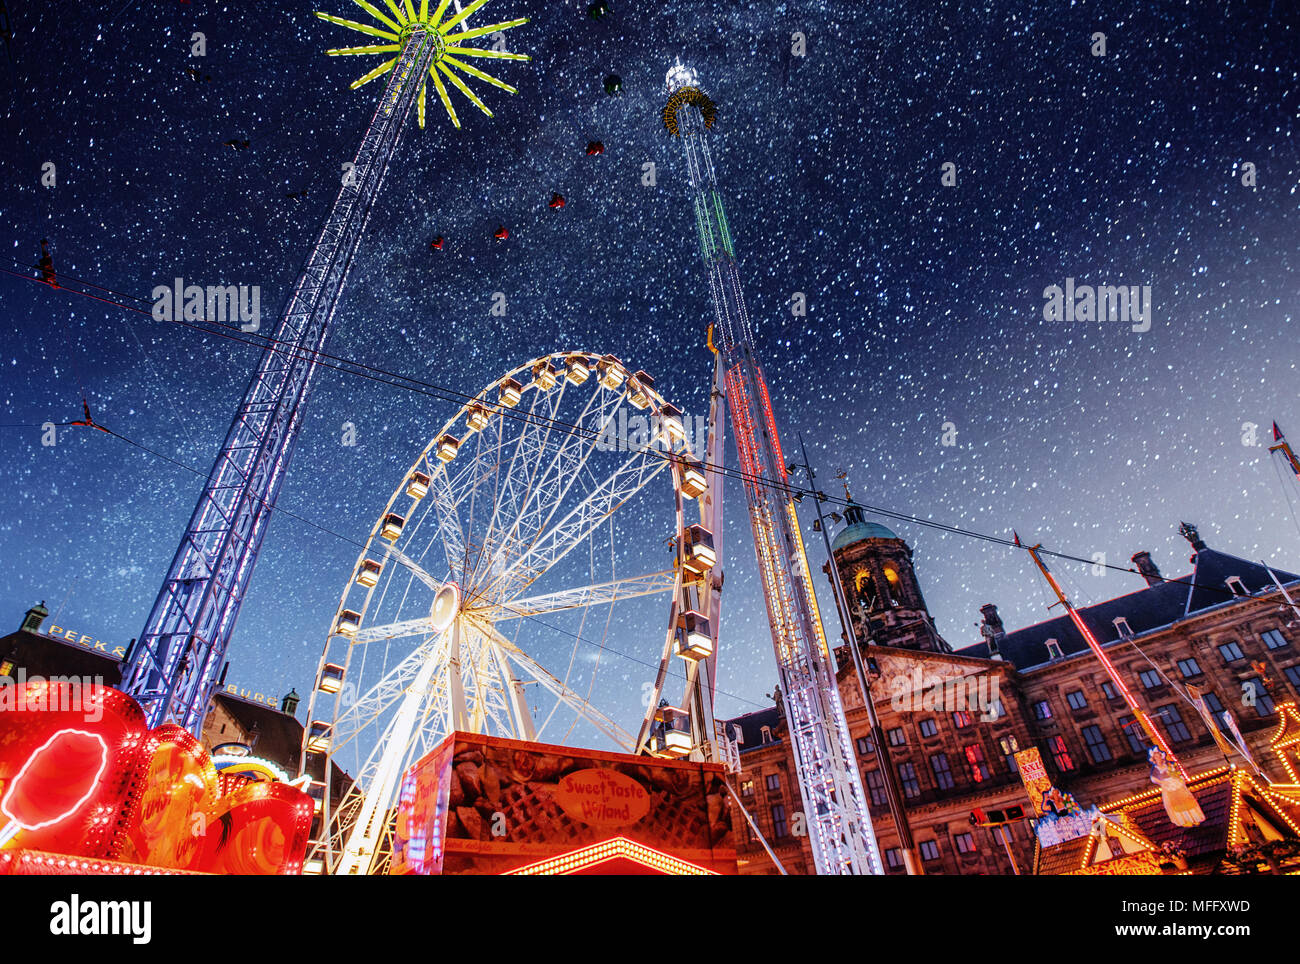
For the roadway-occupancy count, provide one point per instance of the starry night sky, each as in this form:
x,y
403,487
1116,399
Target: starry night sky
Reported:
x,y
924,302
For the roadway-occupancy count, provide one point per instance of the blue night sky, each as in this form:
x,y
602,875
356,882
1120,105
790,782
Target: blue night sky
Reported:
x,y
925,302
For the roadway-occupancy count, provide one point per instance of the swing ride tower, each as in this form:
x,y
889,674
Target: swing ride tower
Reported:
x,y
177,663
839,825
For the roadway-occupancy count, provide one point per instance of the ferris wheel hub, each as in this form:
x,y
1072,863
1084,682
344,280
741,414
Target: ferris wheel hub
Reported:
x,y
446,604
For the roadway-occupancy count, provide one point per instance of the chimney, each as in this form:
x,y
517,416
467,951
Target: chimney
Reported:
x,y
1146,568
992,629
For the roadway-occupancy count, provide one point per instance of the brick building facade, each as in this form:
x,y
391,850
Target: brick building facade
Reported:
x,y
1219,628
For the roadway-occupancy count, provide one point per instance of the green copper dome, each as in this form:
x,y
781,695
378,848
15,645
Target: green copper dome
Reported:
x,y
858,528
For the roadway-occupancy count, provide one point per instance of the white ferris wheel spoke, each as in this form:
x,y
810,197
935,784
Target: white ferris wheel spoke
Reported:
x,y
449,527
413,567
561,474
582,596
561,692
582,520
519,475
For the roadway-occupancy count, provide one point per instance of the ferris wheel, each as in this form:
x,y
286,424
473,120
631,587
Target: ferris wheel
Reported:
x,y
531,543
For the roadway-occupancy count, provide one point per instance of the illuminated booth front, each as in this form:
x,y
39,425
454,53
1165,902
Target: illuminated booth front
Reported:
x,y
87,787
487,805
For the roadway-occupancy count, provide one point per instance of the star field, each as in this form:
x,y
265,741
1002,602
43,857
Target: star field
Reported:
x,y
924,301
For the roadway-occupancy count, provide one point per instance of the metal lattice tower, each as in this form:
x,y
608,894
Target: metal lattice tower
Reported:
x,y
177,663
839,824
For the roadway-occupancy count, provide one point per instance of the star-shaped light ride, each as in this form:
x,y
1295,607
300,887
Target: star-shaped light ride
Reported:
x,y
449,47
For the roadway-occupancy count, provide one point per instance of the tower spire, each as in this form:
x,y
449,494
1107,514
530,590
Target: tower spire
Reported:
x,y
839,824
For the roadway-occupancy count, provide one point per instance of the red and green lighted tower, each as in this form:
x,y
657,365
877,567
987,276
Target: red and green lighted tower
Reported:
x,y
838,822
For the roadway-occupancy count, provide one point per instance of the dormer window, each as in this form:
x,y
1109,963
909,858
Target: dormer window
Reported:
x,y
1122,628
1236,586
765,734
1054,649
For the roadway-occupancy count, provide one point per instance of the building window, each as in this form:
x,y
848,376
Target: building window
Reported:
x,y
928,727
876,787
1253,689
894,858
865,747
1189,667
896,737
965,843
942,771
1009,750
765,734
1061,754
998,711
1054,649
1134,733
1151,678
774,783
929,850
1231,652
961,719
907,778
1293,674
1173,720
1212,703
1122,628
1095,744
1274,639
1236,586
979,768
1077,700
1042,710
6,667
1108,690
747,788
778,820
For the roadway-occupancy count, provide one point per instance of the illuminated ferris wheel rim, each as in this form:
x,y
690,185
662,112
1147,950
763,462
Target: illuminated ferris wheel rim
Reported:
x,y
491,589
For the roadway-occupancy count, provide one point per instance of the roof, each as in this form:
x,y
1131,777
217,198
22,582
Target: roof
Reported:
x,y
41,655
1150,608
858,528
278,735
751,727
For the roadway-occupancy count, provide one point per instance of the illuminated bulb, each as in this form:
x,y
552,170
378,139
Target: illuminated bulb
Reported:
x,y
448,445
368,573
611,372
577,369
511,392
391,529
638,390
670,424
477,418
690,477
349,622
418,485
544,375
331,678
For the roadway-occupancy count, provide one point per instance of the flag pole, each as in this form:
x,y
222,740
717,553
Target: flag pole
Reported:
x,y
1139,714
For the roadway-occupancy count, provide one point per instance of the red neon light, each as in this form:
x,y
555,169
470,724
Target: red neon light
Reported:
x,y
55,773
